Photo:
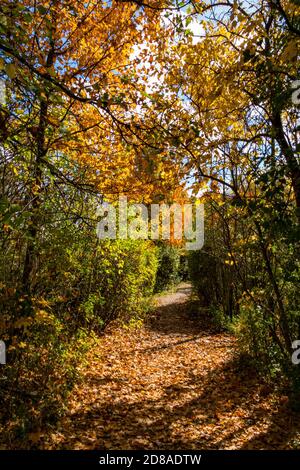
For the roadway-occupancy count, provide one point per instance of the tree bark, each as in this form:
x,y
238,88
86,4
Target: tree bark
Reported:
x,y
287,151
37,189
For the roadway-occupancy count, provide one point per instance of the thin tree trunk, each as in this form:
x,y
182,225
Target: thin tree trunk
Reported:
x,y
37,190
287,151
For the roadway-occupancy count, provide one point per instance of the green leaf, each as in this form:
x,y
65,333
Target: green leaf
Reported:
x,y
27,17
42,10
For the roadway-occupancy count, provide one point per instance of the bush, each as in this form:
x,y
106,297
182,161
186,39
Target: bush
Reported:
x,y
213,282
204,277
253,331
81,284
184,274
42,367
260,341
168,266
125,278
91,282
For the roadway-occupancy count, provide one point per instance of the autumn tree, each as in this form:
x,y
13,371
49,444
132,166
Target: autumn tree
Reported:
x,y
71,100
230,116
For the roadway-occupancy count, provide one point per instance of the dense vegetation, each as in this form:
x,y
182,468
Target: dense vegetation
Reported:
x,y
161,101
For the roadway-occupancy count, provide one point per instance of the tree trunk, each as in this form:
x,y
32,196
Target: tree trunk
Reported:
x,y
37,189
287,151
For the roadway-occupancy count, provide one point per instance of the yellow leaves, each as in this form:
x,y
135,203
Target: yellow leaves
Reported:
x,y
43,95
35,188
34,437
292,9
43,302
229,262
23,322
291,50
17,345
253,238
6,227
53,121
11,70
241,242
220,202
43,317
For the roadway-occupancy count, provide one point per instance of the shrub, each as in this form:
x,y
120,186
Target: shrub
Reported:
x,y
184,267
81,284
93,282
168,266
253,331
125,278
42,367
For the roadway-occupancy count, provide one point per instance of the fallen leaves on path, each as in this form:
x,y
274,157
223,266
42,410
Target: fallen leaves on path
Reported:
x,y
173,384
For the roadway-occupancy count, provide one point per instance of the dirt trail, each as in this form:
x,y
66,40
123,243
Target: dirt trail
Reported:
x,y
172,384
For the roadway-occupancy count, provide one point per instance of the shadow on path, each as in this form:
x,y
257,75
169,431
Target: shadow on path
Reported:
x,y
174,384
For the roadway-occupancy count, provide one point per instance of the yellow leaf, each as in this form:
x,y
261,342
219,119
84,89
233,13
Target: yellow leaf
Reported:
x,y
11,70
34,436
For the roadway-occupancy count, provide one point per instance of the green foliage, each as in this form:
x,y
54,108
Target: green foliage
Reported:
x,y
79,285
253,331
184,267
212,281
125,278
218,318
168,267
43,357
204,276
247,275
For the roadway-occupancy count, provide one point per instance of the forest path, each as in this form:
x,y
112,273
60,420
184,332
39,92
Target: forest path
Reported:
x,y
172,384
